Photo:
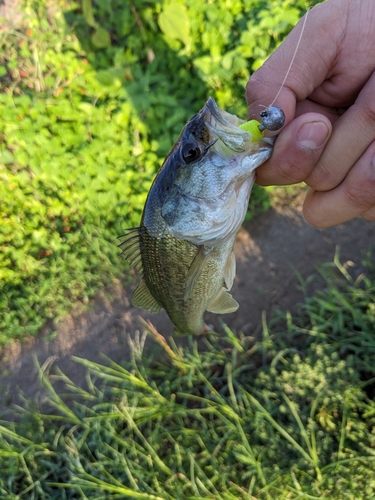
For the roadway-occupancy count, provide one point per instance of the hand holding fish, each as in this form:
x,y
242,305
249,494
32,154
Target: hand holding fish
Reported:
x,y
329,102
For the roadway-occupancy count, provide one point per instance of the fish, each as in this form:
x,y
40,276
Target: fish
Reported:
x,y
183,248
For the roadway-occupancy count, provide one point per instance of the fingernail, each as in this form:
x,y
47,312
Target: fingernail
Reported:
x,y
312,135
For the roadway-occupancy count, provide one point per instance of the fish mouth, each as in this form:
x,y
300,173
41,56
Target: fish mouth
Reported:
x,y
222,116
226,127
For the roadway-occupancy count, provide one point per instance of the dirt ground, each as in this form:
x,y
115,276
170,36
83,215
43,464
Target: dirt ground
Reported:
x,y
267,250
10,14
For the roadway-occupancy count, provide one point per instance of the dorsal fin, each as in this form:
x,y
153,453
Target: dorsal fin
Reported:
x,y
142,298
131,247
223,303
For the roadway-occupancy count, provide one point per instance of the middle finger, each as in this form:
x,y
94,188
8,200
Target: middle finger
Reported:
x,y
354,196
352,133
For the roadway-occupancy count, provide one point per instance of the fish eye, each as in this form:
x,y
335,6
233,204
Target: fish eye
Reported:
x,y
190,151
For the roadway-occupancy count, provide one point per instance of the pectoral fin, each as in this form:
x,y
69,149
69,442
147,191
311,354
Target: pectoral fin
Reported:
x,y
142,298
230,271
195,271
223,303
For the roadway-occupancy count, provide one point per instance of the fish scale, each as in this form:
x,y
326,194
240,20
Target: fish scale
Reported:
x,y
166,262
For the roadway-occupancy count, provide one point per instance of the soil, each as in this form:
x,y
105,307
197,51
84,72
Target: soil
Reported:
x,y
10,14
269,250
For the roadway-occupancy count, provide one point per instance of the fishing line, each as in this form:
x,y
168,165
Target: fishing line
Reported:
x,y
273,117
293,58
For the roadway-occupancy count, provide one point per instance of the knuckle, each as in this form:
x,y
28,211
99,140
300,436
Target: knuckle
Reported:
x,y
254,82
322,177
363,118
312,217
259,89
253,88
294,164
369,215
292,172
368,112
363,196
312,210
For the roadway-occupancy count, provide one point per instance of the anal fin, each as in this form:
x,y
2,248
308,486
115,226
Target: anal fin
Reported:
x,y
223,303
142,298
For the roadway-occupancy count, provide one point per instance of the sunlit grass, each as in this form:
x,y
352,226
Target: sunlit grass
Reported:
x,y
291,416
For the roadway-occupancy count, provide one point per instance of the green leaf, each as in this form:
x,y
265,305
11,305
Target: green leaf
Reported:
x,y
101,39
88,13
110,77
174,22
6,157
86,108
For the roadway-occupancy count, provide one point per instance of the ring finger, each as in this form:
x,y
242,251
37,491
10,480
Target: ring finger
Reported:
x,y
354,196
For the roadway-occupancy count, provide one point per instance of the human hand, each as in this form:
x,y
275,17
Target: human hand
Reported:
x,y
329,103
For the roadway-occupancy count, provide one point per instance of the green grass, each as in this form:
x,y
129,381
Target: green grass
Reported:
x,y
289,417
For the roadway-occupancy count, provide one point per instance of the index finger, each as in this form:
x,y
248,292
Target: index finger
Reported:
x,y
297,67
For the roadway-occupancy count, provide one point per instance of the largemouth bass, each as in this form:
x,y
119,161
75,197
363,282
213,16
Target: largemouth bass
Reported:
x,y
196,204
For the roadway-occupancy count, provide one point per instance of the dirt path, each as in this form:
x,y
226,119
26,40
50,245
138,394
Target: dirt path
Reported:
x,y
266,249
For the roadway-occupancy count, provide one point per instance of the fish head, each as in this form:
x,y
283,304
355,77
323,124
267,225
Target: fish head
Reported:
x,y
203,188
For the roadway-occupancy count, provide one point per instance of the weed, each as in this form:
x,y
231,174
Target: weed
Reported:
x,y
288,417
